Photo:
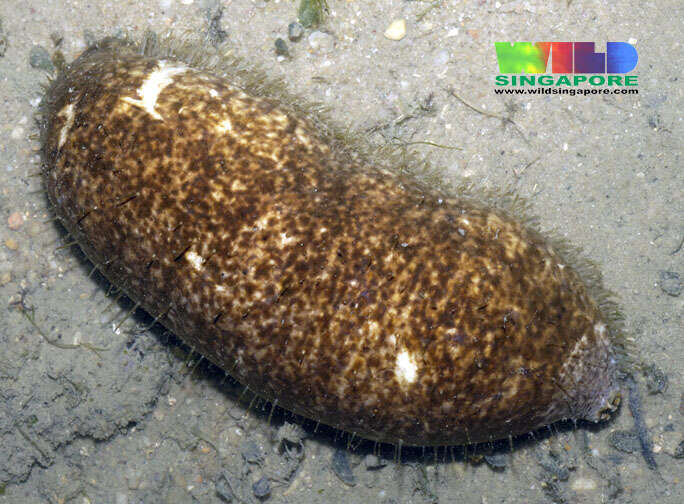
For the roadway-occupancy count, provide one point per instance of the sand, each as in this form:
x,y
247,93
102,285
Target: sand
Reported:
x,y
92,412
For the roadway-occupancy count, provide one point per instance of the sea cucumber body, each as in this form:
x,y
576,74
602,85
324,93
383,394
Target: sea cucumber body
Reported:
x,y
349,295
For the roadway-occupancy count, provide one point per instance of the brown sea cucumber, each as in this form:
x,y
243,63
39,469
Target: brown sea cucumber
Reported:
x,y
345,293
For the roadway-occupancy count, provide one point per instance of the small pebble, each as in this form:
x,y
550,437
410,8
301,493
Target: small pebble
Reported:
x,y
496,462
261,488
251,452
679,451
441,58
15,220
584,485
670,283
554,468
396,30
17,133
295,31
35,228
224,486
281,47
340,466
5,278
656,379
671,442
40,58
11,244
624,441
319,41
373,462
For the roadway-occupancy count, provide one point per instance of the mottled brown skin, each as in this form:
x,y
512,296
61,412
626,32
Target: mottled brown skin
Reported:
x,y
344,293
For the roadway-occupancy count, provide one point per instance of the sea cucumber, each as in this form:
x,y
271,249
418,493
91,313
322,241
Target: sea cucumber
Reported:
x,y
345,293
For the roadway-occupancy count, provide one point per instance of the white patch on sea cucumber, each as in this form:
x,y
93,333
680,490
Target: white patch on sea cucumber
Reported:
x,y
262,223
195,259
153,85
224,125
286,240
67,112
406,367
373,328
238,186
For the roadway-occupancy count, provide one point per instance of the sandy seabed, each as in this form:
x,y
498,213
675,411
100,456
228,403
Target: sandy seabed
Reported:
x,y
129,425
